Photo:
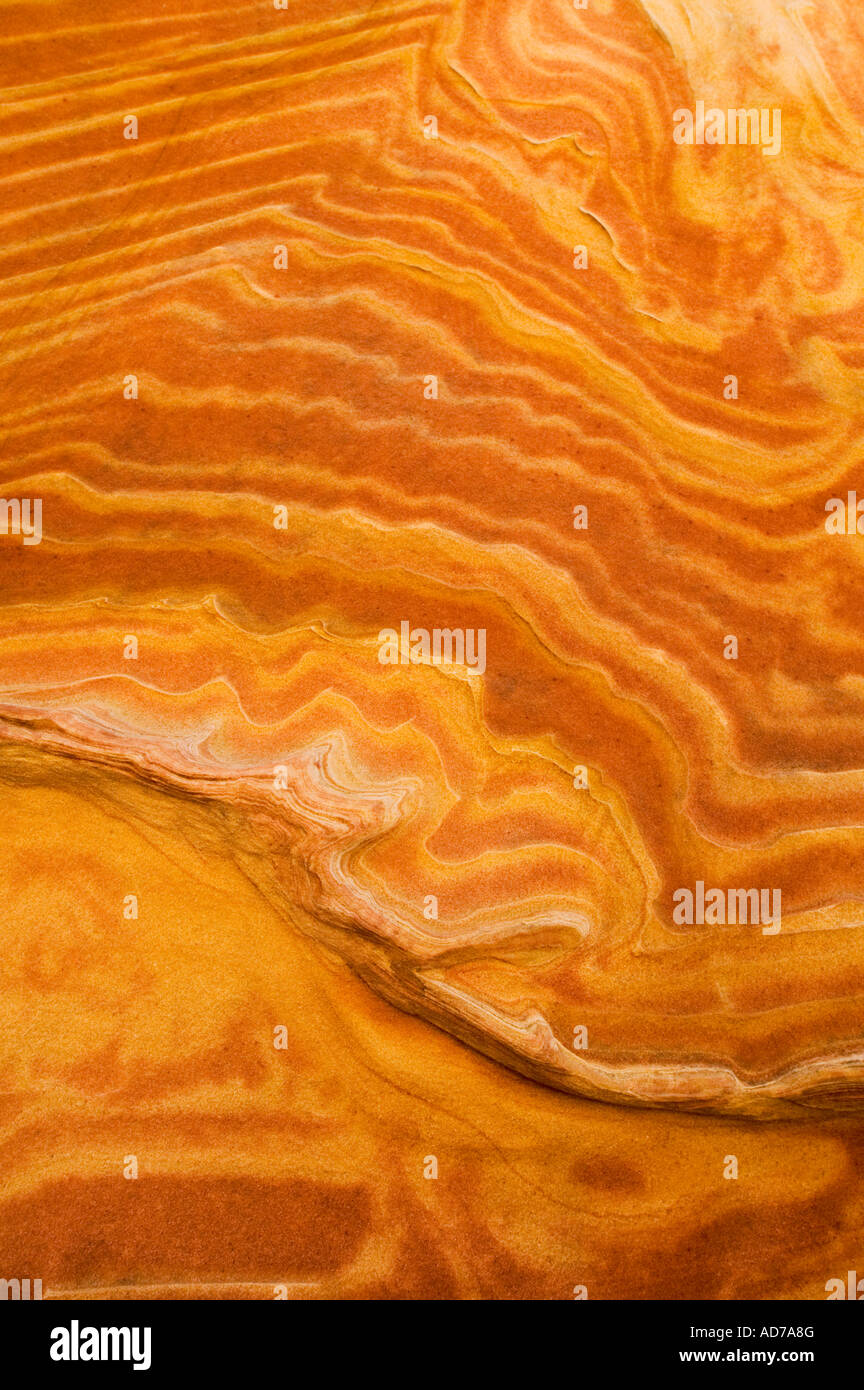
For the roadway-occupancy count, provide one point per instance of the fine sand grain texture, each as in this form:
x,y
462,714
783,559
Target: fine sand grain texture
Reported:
x,y
431,648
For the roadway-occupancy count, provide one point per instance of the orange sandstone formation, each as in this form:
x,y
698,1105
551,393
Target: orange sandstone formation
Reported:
x,y
415,582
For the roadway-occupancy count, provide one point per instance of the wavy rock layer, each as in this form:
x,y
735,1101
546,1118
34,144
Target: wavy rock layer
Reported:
x,y
284,260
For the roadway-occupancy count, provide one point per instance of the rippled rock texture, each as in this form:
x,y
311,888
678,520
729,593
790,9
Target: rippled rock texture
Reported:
x,y
424,648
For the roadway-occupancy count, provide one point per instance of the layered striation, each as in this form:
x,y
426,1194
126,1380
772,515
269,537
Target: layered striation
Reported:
x,y
416,314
